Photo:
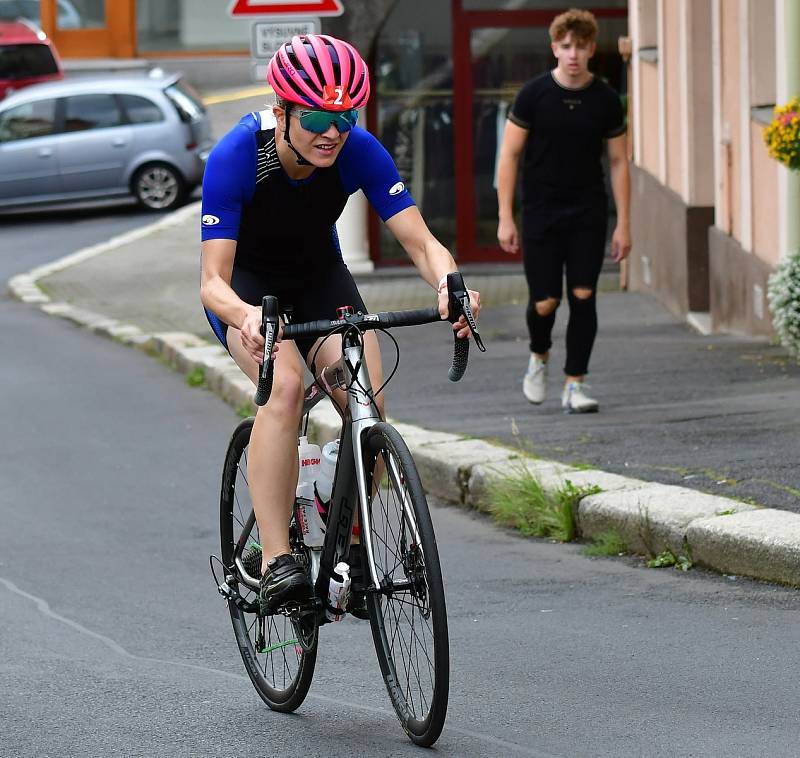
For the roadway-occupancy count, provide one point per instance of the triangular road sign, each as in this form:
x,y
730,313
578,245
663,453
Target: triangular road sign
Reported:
x,y
285,8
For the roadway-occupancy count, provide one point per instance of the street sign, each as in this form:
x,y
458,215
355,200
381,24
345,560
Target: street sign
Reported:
x,y
284,8
267,36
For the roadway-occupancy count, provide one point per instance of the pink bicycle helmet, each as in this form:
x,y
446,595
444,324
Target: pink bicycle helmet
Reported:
x,y
321,72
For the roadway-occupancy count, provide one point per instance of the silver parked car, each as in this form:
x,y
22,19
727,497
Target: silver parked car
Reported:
x,y
83,139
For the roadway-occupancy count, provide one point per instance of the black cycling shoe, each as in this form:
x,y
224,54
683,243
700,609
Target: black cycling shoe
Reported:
x,y
284,582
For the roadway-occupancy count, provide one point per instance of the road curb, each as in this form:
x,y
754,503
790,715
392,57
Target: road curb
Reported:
x,y
718,533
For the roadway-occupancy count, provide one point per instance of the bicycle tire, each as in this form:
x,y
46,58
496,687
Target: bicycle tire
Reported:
x,y
282,672
409,607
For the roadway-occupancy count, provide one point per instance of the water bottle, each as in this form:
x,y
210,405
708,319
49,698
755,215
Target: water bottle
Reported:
x,y
309,521
309,455
338,591
327,469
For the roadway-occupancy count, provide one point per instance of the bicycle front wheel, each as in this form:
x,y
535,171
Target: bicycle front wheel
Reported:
x,y
278,665
407,611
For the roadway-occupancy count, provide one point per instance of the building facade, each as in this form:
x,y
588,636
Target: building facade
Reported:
x,y
712,212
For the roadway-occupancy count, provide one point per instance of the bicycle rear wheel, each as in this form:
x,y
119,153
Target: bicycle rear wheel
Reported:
x,y
278,666
407,612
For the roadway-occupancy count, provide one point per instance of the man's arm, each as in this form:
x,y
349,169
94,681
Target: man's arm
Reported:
x,y
432,259
514,139
621,187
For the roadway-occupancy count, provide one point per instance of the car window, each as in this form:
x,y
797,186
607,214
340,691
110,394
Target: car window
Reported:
x,y
28,120
140,110
83,112
22,61
186,100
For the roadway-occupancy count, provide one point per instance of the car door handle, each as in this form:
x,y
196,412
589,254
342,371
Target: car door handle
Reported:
x,y
45,152
118,142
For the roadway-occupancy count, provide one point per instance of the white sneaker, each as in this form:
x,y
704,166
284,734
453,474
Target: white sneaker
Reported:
x,y
575,400
534,385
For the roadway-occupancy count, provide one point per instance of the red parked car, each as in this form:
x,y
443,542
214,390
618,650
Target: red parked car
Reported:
x,y
27,56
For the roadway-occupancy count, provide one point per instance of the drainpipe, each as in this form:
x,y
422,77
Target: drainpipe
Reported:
x,y
792,87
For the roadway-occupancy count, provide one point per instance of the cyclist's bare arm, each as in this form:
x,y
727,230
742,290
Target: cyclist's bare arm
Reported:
x,y
216,295
514,139
432,259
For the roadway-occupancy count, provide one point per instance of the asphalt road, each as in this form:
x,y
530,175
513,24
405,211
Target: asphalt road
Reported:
x,y
114,642
37,237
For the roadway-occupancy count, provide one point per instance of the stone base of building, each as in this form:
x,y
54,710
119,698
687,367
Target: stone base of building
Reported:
x,y
670,246
738,288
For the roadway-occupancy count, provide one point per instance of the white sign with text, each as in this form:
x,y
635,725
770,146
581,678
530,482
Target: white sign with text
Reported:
x,y
267,36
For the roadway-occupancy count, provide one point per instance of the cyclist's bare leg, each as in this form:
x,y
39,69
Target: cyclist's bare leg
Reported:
x,y
272,458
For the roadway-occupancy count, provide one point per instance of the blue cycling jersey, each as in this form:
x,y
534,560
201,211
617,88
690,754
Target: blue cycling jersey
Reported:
x,y
280,224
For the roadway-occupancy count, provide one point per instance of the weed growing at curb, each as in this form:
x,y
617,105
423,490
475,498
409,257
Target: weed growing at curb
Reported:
x,y
606,543
520,501
645,530
662,558
668,558
196,377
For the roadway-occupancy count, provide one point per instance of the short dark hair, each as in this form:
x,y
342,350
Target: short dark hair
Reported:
x,y
581,23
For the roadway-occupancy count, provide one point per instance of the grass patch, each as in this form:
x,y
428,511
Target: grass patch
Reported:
x,y
196,377
606,543
520,502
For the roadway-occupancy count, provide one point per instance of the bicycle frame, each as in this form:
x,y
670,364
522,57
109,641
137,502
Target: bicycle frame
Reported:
x,y
360,414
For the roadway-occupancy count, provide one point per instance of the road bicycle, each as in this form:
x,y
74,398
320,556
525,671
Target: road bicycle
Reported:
x,y
396,575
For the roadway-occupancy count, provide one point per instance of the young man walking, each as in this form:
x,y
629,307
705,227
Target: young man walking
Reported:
x,y
557,127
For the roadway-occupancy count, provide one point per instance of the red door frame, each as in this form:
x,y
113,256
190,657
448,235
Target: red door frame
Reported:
x,y
464,22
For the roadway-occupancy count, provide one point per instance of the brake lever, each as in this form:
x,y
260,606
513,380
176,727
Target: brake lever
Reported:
x,y
269,327
459,305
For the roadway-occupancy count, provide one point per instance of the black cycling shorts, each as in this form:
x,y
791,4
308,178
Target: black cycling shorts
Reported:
x,y
306,300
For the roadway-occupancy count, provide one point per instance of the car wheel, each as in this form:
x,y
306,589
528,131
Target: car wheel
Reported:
x,y
158,187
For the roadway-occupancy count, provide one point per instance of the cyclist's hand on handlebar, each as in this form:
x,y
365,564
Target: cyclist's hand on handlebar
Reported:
x,y
252,338
460,327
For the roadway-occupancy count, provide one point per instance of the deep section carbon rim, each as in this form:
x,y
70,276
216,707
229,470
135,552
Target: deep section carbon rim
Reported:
x,y
280,669
407,611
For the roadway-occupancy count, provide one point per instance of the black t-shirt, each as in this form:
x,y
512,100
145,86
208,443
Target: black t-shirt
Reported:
x,y
561,171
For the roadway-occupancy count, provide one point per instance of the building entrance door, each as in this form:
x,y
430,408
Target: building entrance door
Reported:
x,y
496,50
91,28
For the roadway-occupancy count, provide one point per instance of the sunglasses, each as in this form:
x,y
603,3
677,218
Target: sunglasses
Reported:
x,y
320,121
